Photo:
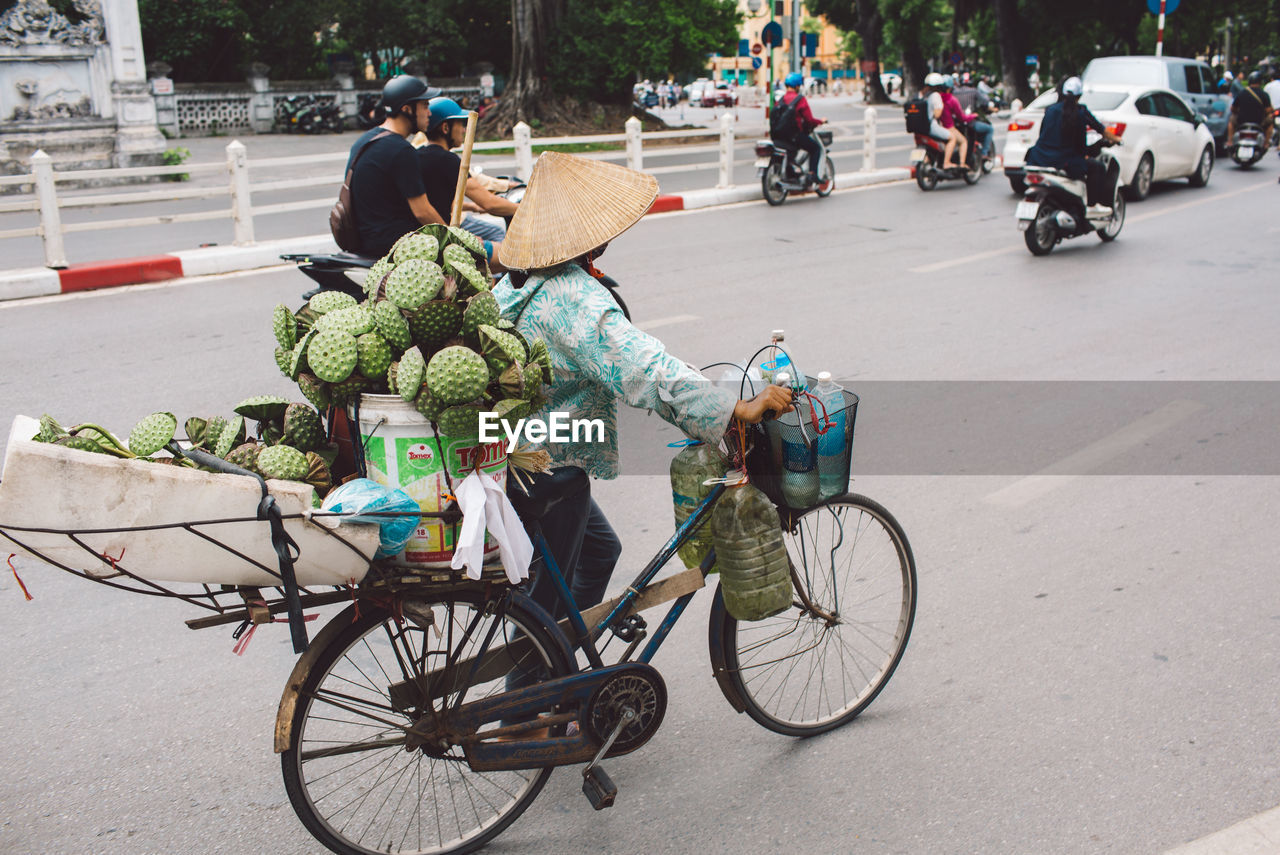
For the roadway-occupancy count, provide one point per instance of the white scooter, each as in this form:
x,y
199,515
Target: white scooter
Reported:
x,y
1054,206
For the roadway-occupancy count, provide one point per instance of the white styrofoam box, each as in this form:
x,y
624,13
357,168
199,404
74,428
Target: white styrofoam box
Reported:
x,y
51,487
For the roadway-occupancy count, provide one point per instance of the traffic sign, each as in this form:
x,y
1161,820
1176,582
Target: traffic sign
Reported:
x,y
1032,59
1169,6
756,48
956,58
756,62
771,35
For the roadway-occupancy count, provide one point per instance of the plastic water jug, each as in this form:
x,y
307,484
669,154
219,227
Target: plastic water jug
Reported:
x,y
832,469
692,466
755,572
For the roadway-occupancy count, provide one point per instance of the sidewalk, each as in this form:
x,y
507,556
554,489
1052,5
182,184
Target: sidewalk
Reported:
x,y
42,281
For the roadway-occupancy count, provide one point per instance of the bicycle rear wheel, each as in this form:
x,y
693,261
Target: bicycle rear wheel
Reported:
x,y
804,672
352,779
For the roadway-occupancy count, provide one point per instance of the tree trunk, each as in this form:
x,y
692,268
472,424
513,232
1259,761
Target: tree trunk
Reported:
x,y
533,22
1012,51
870,28
914,64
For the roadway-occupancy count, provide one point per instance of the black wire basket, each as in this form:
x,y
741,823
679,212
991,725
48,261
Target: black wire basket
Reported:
x,y
788,456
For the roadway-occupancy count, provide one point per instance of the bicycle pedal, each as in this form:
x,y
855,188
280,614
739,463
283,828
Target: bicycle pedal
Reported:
x,y
599,788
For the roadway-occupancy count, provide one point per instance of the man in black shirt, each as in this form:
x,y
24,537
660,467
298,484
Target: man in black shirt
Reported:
x,y
387,195
447,129
1251,107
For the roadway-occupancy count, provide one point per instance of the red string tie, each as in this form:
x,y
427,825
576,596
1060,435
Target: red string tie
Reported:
x,y
25,592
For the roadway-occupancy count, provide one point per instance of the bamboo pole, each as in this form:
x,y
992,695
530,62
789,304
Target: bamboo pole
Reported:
x,y
455,217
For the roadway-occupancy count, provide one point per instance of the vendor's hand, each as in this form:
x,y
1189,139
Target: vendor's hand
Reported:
x,y
775,398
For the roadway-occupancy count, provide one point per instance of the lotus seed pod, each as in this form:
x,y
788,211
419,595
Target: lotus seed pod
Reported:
x,y
391,378
462,421
415,245
511,409
285,327
434,324
245,456
414,282
328,301
374,277
373,355
481,309
394,328
456,375
356,320
332,355
50,430
318,474
80,443
298,360
231,435
409,374
532,379
341,394
213,431
262,408
438,231
314,390
306,318
283,462
427,405
284,360
196,430
302,428
538,353
511,381
152,434
499,348
466,240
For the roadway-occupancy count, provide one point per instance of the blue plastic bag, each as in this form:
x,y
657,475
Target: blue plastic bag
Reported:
x,y
364,500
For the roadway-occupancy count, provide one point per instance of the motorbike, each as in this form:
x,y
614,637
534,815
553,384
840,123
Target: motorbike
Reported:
x,y
783,169
1054,206
368,114
1248,146
290,112
928,156
345,271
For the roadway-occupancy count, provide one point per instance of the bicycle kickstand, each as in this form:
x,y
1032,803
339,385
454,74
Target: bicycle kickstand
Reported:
x,y
597,786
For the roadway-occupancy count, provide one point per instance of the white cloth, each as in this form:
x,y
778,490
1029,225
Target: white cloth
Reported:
x,y
485,507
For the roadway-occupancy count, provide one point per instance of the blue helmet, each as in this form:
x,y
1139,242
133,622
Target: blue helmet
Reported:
x,y
442,110
795,79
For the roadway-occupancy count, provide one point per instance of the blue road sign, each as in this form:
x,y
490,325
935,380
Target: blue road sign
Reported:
x,y
1169,6
756,62
771,35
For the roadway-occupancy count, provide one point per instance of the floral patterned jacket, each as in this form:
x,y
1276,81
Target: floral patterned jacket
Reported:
x,y
599,357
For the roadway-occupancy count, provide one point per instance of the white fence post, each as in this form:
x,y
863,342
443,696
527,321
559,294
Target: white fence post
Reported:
x,y
869,140
523,136
55,255
726,151
241,204
634,157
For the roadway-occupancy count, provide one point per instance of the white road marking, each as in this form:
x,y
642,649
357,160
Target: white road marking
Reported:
x,y
953,262
1257,835
666,322
1093,455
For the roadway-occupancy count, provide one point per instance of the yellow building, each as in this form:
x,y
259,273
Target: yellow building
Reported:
x,y
741,68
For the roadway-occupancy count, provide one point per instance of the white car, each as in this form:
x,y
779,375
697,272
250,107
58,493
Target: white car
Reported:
x,y
1163,137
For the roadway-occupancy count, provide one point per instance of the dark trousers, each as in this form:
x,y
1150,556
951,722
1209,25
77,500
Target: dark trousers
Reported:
x,y
814,148
585,548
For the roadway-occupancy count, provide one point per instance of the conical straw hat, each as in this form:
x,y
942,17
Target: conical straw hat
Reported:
x,y
573,205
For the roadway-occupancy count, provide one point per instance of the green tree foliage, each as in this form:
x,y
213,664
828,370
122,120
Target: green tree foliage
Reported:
x,y
201,39
602,45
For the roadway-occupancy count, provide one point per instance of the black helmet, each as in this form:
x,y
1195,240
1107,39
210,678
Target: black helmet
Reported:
x,y
1255,78
405,89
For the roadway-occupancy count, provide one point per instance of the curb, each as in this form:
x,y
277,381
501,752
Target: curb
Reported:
x,y
207,261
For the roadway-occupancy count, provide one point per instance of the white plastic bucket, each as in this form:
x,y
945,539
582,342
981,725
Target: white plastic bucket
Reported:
x,y
401,450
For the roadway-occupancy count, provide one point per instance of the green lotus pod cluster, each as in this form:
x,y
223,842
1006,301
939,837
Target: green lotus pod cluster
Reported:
x,y
429,330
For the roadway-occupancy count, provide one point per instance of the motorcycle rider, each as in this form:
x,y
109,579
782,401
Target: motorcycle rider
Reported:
x,y
969,98
802,137
1251,107
387,195
446,129
932,91
1061,144
952,118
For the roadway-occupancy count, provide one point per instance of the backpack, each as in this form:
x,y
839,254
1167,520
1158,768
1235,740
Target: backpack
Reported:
x,y
917,115
782,121
342,222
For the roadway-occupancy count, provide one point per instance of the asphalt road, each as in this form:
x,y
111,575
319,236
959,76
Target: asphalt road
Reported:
x,y
1094,657
845,113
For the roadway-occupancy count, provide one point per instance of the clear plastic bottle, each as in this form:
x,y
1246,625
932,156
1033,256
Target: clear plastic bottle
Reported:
x,y
755,573
799,453
692,466
832,466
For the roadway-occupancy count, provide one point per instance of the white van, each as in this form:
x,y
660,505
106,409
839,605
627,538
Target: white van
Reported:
x,y
1190,78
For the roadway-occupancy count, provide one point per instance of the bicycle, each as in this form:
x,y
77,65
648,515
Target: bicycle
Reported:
x,y
428,714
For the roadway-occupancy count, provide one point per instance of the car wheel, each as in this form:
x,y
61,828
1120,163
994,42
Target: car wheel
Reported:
x,y
1200,177
1018,185
1140,187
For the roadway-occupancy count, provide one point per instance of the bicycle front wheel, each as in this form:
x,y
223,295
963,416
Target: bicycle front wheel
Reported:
x,y
355,781
819,664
